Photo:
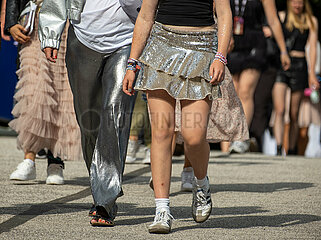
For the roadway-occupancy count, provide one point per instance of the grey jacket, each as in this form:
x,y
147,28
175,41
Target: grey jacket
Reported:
x,y
54,14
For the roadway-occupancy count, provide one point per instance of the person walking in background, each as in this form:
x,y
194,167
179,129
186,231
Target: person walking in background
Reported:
x,y
140,125
98,46
184,59
44,115
247,58
300,28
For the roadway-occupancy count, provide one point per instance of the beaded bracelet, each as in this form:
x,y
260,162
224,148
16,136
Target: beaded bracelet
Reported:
x,y
220,57
133,65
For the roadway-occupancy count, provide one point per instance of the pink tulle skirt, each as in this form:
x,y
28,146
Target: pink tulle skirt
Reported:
x,y
44,112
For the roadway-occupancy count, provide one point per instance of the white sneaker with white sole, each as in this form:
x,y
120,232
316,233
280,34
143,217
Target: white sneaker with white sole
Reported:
x,y
202,202
162,222
146,159
54,174
26,170
187,179
132,149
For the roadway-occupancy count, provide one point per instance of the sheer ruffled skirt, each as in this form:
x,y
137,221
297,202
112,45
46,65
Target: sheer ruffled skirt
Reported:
x,y
44,112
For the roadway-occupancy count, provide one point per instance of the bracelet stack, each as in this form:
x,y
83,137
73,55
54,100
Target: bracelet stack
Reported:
x,y
133,65
220,57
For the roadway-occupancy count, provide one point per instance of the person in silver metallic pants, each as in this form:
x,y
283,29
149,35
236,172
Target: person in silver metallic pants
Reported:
x,y
104,113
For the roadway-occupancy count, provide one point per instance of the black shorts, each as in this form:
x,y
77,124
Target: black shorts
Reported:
x,y
297,76
239,60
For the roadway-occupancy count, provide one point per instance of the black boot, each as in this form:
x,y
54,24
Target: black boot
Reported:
x,y
279,150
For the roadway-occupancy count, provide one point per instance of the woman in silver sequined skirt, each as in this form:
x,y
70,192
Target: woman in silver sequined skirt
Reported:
x,y
180,63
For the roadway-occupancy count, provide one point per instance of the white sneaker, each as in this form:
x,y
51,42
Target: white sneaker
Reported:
x,y
54,174
162,222
202,202
26,170
239,147
146,160
187,179
132,149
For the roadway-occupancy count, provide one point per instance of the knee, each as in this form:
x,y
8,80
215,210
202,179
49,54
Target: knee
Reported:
x,y
245,95
193,141
279,112
294,116
162,135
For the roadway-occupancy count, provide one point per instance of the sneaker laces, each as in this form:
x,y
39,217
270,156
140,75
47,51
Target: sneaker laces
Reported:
x,y
200,198
161,215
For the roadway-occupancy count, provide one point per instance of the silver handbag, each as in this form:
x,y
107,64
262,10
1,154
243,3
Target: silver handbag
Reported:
x,y
27,17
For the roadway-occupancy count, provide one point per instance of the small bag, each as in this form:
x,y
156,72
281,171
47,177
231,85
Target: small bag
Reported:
x,y
27,17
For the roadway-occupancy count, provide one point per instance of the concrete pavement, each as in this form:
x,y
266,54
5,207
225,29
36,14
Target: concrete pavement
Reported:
x,y
254,197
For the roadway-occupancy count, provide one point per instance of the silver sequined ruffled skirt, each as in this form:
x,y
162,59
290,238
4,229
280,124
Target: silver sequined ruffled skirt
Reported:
x,y
179,62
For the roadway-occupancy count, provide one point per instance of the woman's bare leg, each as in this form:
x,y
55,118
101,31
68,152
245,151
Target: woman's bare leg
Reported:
x,y
225,146
296,98
162,112
247,82
279,93
194,128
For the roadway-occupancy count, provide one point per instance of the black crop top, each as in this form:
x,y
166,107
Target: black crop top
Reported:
x,y
300,39
185,12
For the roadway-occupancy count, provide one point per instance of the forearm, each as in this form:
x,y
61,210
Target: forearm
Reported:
x,y
224,18
140,36
274,23
3,10
312,59
143,26
278,35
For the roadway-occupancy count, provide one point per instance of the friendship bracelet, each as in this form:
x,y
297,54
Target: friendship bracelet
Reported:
x,y
220,57
133,65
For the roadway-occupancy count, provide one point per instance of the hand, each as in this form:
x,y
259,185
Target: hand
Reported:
x,y
51,54
19,34
267,31
285,61
128,82
217,72
313,82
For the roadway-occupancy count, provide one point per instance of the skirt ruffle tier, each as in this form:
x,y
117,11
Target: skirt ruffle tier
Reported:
x,y
177,62
44,112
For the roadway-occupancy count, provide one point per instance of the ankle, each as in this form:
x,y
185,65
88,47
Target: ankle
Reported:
x,y
201,182
32,162
162,204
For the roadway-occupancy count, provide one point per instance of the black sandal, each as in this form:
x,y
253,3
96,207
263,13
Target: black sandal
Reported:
x,y
102,221
92,211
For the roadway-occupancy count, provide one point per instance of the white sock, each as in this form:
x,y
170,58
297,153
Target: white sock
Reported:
x,y
30,161
188,169
201,182
161,204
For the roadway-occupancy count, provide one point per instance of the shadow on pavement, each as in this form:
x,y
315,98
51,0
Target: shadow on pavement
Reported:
x,y
281,220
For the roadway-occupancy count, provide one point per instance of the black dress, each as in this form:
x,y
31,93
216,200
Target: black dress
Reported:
x,y
250,47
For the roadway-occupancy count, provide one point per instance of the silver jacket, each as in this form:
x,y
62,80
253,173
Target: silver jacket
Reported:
x,y
54,14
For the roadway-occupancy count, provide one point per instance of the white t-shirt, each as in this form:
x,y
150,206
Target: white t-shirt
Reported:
x,y
104,26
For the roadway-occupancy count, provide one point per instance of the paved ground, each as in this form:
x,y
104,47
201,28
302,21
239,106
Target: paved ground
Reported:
x,y
255,197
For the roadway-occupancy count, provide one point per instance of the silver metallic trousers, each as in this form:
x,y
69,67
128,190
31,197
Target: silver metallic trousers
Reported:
x,y
104,114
